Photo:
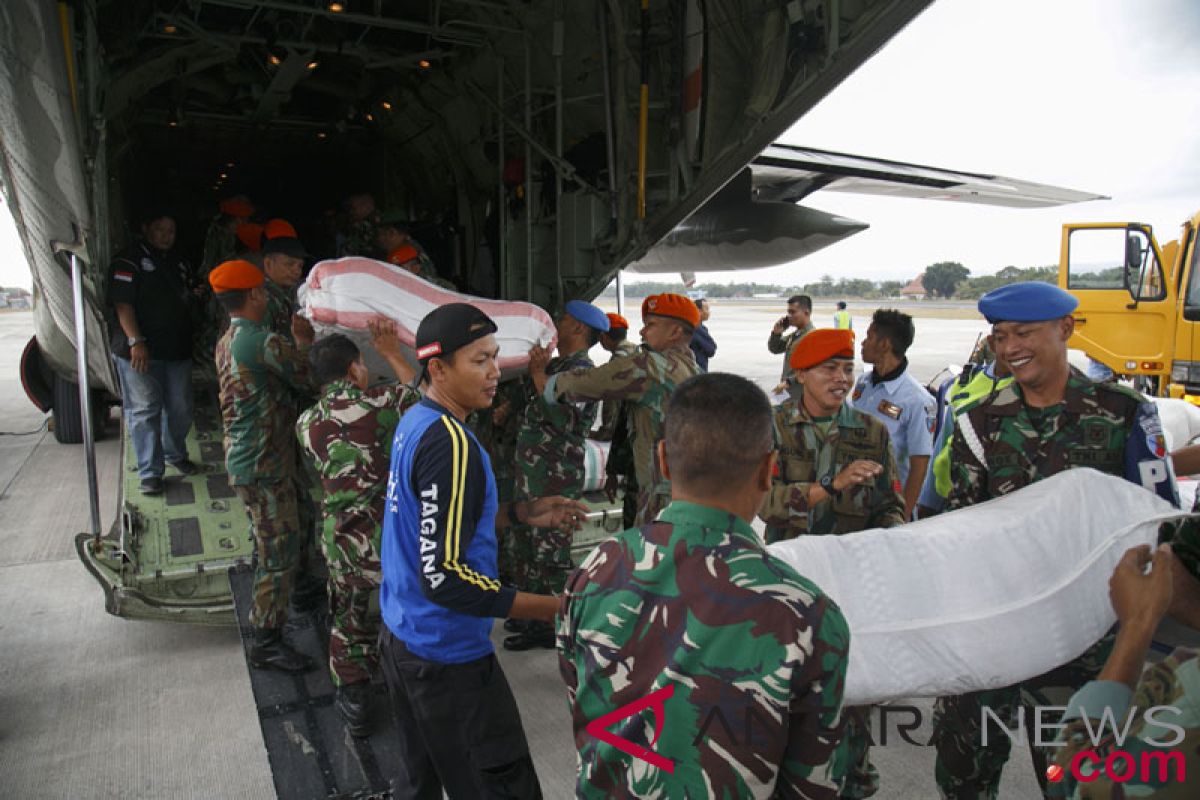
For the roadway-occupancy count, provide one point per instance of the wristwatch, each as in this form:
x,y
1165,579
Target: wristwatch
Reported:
x,y
826,483
132,340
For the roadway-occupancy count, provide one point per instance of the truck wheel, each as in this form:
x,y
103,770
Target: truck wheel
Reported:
x,y
68,422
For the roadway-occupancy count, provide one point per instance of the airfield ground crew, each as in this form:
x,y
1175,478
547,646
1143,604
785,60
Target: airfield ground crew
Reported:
x,y
799,316
693,614
348,437
551,460
1051,418
702,344
835,474
890,394
261,375
841,318
644,381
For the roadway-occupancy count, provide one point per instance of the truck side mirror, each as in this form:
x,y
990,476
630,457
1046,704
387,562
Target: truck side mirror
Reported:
x,y
1134,251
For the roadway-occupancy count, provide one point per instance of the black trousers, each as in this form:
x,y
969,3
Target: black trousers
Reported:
x,y
459,728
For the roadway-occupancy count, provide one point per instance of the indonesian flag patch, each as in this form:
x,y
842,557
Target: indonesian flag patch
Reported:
x,y
123,275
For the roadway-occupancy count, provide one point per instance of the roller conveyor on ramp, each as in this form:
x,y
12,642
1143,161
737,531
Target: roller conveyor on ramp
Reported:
x,y
312,755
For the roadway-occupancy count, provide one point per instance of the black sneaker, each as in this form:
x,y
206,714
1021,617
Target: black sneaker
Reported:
x,y
516,625
186,467
270,651
152,486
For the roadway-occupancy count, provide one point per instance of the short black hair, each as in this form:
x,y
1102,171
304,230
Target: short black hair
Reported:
x,y
700,301
841,304
618,334
895,326
154,214
331,358
802,300
233,300
718,428
593,335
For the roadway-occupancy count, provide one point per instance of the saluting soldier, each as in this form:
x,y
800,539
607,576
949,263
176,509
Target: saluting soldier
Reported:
x,y
1051,418
261,376
348,437
551,454
644,381
836,474
741,660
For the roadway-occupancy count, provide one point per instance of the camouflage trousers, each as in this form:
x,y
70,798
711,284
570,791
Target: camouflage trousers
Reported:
x,y
273,507
541,558
965,767
853,771
350,544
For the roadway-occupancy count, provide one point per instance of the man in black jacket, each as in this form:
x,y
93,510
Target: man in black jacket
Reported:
x,y
702,343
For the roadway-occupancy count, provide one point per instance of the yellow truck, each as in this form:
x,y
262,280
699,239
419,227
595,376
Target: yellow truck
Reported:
x,y
1139,303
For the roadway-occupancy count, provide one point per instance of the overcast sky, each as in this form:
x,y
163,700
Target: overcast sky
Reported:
x,y
1098,95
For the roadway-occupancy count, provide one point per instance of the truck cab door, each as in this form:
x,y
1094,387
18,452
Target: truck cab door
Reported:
x,y
1126,317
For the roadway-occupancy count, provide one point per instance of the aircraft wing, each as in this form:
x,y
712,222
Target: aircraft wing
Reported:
x,y
787,173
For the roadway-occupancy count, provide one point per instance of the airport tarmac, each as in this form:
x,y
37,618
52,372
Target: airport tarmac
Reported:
x,y
96,706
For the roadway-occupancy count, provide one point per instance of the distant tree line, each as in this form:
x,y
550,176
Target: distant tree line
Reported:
x,y
945,279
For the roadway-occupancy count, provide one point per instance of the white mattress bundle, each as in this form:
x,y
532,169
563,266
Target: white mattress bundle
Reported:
x,y
985,596
342,295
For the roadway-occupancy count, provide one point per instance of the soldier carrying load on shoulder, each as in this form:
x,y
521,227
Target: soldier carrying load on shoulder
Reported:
x,y
619,472
644,381
1050,418
551,460
348,437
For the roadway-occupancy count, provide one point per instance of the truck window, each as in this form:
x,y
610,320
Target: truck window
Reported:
x,y
1097,259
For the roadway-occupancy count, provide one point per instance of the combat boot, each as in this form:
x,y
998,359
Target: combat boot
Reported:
x,y
270,651
537,634
353,703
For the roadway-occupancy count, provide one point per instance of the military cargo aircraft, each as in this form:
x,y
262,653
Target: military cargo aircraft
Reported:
x,y
544,144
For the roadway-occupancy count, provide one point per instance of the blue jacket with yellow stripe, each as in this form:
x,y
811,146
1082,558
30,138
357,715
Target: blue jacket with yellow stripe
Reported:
x,y
440,589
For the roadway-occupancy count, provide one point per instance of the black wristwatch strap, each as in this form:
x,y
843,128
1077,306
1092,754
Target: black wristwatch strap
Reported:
x,y
826,483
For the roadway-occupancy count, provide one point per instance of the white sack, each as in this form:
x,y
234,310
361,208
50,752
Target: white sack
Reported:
x,y
1180,421
342,295
985,596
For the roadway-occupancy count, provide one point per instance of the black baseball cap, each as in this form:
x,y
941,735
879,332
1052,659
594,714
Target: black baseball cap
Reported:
x,y
450,327
284,245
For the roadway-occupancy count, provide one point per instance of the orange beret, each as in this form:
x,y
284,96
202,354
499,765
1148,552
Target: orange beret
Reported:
x,y
279,229
617,321
675,306
236,207
251,235
403,254
821,345
229,276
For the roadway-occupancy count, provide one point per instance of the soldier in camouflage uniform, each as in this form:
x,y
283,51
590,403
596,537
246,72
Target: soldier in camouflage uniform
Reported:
x,y
614,428
740,659
261,374
1155,760
644,381
551,450
1051,418
496,428
836,474
283,266
358,238
799,315
348,437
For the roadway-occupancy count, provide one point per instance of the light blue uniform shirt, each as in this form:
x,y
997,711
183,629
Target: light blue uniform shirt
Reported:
x,y
906,408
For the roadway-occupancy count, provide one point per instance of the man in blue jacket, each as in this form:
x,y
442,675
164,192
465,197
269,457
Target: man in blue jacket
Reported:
x,y
459,728
702,344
